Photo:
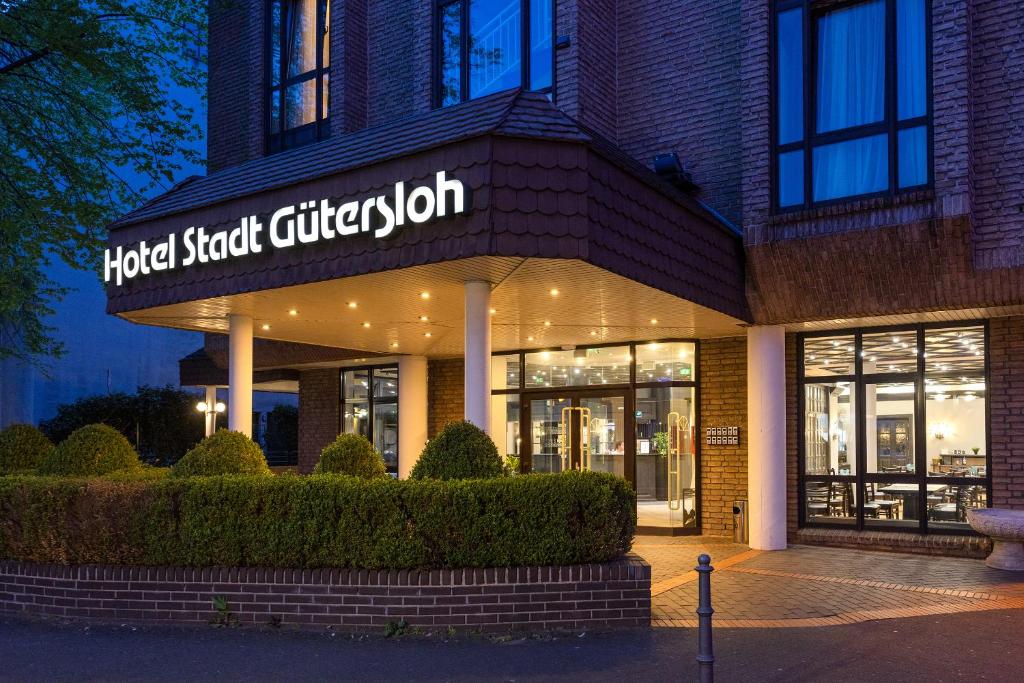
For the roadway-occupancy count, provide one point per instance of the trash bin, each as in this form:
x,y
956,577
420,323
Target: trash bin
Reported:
x,y
739,521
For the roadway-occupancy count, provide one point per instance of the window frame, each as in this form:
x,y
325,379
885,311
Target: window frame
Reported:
x,y
437,65
812,10
859,384
371,401
284,138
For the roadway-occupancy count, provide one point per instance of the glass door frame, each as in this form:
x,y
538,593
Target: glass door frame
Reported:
x,y
575,395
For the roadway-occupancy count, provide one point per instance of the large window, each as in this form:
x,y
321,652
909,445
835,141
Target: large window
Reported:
x,y
298,78
894,429
485,46
852,105
369,406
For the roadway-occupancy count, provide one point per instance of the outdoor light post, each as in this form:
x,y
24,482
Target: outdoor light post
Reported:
x,y
210,409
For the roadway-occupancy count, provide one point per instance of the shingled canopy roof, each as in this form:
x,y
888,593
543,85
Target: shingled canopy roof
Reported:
x,y
543,186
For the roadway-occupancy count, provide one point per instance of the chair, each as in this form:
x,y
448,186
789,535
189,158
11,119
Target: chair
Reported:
x,y
840,498
881,503
817,501
949,512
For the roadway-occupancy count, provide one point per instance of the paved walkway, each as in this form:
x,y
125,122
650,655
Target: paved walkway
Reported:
x,y
812,586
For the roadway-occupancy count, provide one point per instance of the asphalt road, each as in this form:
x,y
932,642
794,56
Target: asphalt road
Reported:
x,y
986,646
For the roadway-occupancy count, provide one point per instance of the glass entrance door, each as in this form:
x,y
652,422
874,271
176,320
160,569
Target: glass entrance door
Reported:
x,y
581,432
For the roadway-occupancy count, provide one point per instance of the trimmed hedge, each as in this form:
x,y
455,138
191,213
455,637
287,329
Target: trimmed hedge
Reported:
x,y
22,448
354,455
461,451
318,521
91,450
225,452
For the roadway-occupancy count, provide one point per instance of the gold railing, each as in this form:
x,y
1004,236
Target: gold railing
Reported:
x,y
678,429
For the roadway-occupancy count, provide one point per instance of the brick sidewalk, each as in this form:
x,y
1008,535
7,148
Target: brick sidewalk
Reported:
x,y
813,586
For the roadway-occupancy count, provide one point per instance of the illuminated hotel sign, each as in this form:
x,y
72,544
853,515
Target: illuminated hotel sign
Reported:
x,y
306,223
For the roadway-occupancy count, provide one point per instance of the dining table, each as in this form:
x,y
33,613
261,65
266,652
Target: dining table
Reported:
x,y
907,493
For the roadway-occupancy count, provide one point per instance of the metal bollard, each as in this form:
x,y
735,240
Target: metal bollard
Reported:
x,y
705,651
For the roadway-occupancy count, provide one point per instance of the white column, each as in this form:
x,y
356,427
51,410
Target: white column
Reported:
x,y
211,410
766,437
240,373
412,411
477,384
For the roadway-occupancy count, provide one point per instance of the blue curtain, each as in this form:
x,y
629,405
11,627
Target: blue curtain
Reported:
x,y
910,59
790,44
494,46
851,67
913,155
849,168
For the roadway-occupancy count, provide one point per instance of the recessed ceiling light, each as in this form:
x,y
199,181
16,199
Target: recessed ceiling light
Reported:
x,y
293,312
424,295
654,321
426,334
394,345
266,326
493,311
554,292
351,304
366,324
529,339
593,333
547,323
423,318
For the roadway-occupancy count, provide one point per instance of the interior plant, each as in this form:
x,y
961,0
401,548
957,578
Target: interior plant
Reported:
x,y
22,448
461,451
89,451
225,452
660,442
352,454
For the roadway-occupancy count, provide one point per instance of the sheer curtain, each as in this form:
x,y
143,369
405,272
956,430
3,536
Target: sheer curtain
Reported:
x,y
910,59
851,67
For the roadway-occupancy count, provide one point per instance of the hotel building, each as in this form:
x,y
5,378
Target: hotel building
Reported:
x,y
743,250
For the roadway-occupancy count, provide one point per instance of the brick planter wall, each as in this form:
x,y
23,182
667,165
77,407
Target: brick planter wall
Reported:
x,y
535,598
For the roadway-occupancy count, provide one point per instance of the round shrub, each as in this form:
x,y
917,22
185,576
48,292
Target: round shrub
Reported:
x,y
22,448
352,454
226,452
89,451
461,451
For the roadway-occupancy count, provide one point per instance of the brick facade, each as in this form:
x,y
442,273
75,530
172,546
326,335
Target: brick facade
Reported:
x,y
444,393
319,413
526,598
723,403
1006,410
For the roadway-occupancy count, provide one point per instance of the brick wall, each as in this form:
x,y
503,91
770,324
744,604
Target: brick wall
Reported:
x,y
235,73
1006,410
319,413
792,497
679,90
997,106
444,393
578,596
723,403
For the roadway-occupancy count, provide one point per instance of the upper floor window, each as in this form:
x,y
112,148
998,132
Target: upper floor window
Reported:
x,y
300,51
485,46
852,103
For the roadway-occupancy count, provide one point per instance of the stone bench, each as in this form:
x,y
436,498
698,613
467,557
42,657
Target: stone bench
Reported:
x,y
1006,528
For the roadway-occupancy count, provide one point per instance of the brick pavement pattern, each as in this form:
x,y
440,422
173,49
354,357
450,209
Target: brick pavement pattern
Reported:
x,y
812,586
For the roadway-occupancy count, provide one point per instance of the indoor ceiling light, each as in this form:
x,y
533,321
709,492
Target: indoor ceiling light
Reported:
x,y
547,323
654,321
427,334
493,311
293,312
529,339
423,318
351,304
394,345
366,324
266,326
424,295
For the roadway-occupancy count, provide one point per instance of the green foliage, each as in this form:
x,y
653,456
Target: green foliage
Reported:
x,y
162,422
93,118
318,521
461,451
352,454
225,452
660,443
22,448
91,450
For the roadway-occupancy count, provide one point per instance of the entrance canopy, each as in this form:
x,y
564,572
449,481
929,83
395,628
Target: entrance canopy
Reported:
x,y
579,242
